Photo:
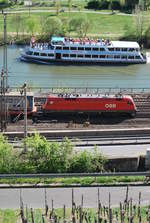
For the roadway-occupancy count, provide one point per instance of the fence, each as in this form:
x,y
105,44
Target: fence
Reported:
x,y
69,175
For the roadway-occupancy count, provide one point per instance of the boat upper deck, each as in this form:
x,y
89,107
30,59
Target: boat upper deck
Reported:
x,y
77,42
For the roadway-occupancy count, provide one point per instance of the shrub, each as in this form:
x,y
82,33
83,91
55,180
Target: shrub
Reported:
x,y
7,157
86,162
93,4
47,156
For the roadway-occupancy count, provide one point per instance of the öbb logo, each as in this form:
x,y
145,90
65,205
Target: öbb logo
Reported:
x,y
110,105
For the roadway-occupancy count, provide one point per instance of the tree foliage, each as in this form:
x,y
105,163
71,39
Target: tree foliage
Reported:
x,y
80,24
7,157
47,157
51,26
31,26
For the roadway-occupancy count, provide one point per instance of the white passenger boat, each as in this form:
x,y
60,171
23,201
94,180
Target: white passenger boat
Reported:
x,y
71,50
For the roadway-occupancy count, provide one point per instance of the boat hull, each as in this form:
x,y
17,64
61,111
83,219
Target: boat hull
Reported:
x,y
79,62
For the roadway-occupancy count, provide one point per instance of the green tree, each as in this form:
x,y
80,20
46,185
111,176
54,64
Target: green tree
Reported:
x,y
52,26
58,7
146,38
139,23
31,26
17,21
81,25
70,5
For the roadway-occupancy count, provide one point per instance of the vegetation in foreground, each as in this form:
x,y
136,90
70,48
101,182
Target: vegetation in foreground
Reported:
x,y
53,157
82,181
48,157
127,211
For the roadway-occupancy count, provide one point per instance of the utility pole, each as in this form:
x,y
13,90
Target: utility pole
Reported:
x,y
4,81
5,51
25,116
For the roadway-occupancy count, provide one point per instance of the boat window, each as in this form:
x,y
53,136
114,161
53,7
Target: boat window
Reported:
x,y
124,56
50,55
131,49
65,48
58,48
29,53
87,56
130,57
43,54
36,53
117,49
95,49
80,56
137,57
102,49
110,56
124,49
72,55
88,48
94,56
65,55
111,49
73,48
137,50
80,48
117,56
102,56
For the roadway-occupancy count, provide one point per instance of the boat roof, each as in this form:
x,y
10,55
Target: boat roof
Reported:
x,y
119,44
58,39
126,44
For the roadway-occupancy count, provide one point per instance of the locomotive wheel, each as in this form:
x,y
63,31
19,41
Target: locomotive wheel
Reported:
x,y
133,114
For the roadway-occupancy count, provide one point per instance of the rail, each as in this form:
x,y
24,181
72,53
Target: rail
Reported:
x,y
69,175
83,90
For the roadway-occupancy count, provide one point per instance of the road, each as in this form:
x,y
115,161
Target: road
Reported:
x,y
10,198
119,151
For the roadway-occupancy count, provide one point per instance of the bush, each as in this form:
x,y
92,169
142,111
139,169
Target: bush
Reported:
x,y
47,157
7,157
93,4
116,5
86,162
104,4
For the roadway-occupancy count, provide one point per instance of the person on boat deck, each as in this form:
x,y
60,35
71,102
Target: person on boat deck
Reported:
x,y
33,41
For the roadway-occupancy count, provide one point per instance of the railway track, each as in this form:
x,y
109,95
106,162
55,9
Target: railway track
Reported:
x,y
90,141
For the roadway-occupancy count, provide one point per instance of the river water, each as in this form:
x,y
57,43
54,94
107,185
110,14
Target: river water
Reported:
x,y
132,76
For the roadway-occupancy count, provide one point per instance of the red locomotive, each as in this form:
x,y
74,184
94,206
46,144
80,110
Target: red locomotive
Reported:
x,y
89,103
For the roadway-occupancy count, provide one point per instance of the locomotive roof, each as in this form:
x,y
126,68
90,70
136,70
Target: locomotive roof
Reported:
x,y
17,93
77,95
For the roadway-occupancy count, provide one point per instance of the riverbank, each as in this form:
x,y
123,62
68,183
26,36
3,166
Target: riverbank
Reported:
x,y
22,26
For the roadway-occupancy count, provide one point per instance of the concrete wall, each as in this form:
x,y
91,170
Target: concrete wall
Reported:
x,y
123,164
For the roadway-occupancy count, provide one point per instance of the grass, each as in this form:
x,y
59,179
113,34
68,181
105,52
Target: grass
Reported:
x,y
12,216
75,181
8,216
102,25
113,26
